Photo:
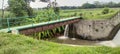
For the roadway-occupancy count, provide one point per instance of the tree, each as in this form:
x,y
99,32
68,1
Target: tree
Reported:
x,y
20,8
88,5
97,4
56,7
45,0
111,4
53,5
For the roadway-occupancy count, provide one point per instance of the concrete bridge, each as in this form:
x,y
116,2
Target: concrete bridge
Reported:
x,y
38,27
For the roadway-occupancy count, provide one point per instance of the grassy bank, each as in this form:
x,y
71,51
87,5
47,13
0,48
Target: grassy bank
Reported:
x,y
90,14
19,44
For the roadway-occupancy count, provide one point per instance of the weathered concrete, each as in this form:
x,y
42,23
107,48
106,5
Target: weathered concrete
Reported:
x,y
95,29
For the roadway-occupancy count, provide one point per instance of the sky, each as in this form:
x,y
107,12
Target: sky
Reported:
x,y
38,4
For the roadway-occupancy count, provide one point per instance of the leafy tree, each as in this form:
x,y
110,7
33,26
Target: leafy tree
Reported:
x,y
97,4
20,7
111,4
88,5
56,7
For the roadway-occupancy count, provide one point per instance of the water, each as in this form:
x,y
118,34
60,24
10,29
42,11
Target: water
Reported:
x,y
73,41
66,31
113,43
116,39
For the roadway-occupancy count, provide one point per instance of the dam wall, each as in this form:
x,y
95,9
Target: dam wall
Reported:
x,y
95,29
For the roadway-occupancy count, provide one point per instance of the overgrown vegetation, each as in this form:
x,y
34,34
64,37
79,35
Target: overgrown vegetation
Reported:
x,y
19,44
20,8
90,14
49,33
105,11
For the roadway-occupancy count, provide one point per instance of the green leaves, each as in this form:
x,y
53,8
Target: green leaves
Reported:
x,y
20,8
48,33
105,11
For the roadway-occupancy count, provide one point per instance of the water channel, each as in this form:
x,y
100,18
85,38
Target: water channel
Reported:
x,y
74,41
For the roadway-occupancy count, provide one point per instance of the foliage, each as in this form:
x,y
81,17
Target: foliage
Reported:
x,y
96,4
48,33
44,16
19,8
20,44
105,11
88,5
90,14
57,10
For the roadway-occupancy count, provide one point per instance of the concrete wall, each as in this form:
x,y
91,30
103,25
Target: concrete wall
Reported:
x,y
94,29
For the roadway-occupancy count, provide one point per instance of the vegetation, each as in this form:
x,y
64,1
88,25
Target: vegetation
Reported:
x,y
20,44
20,8
96,4
49,14
90,14
105,11
51,33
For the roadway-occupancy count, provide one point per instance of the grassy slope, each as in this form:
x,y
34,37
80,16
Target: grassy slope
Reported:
x,y
19,44
96,13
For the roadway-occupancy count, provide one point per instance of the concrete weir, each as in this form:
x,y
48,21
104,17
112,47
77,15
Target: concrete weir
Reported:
x,y
112,43
95,29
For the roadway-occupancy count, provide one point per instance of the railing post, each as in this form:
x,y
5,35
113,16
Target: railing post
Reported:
x,y
48,19
0,23
8,24
58,17
32,23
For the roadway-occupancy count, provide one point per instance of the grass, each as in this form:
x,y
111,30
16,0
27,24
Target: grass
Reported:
x,y
20,44
90,14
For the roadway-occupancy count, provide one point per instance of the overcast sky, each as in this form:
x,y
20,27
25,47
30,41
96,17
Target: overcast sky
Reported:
x,y
61,3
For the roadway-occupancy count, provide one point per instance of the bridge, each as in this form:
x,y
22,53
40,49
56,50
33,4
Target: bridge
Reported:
x,y
36,27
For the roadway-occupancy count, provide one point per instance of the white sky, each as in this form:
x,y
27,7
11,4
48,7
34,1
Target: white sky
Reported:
x,y
61,3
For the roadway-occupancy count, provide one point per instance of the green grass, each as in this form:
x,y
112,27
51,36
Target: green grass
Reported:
x,y
96,13
90,14
20,44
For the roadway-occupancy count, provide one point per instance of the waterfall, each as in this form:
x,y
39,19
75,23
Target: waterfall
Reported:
x,y
66,31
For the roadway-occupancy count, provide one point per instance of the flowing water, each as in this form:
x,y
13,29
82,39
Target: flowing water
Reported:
x,y
72,41
113,43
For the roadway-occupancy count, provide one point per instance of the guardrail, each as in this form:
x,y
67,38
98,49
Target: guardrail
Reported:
x,y
20,21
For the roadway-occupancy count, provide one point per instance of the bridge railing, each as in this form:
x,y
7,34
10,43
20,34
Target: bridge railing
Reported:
x,y
20,21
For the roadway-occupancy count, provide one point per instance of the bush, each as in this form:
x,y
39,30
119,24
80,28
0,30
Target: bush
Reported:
x,y
105,11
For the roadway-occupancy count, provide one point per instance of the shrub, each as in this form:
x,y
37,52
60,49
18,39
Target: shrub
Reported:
x,y
105,11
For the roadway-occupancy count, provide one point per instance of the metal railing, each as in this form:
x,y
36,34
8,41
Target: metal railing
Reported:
x,y
7,23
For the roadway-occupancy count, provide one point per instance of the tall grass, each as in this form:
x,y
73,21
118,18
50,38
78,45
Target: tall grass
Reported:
x,y
19,44
49,33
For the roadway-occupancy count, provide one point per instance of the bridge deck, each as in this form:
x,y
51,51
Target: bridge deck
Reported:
x,y
38,24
